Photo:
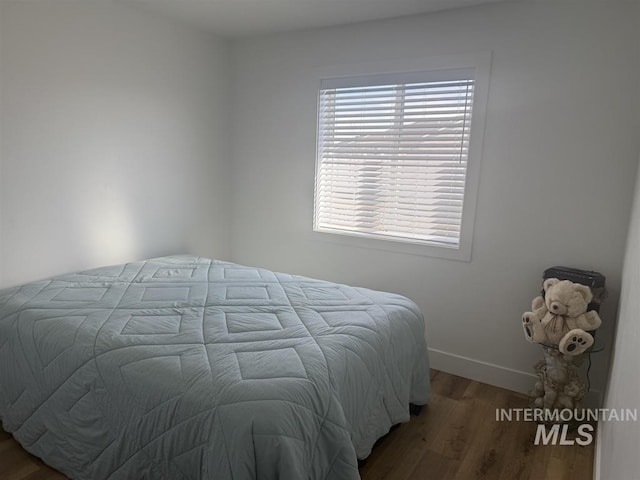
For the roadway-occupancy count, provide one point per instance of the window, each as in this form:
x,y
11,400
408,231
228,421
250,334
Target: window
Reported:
x,y
393,154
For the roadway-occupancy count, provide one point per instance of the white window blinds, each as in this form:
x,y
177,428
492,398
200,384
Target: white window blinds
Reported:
x,y
392,155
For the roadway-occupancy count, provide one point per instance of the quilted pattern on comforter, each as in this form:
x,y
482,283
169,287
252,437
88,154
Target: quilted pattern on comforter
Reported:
x,y
183,367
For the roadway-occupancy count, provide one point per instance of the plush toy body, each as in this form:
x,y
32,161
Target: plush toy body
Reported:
x,y
561,317
558,385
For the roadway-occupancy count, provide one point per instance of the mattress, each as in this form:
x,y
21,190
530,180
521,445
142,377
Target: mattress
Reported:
x,y
183,367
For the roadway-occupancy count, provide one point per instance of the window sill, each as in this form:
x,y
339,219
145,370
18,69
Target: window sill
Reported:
x,y
461,254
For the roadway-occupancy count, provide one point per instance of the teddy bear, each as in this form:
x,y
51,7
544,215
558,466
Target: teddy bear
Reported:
x,y
546,396
571,396
561,317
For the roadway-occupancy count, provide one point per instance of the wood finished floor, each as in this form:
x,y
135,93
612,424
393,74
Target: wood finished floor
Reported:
x,y
455,437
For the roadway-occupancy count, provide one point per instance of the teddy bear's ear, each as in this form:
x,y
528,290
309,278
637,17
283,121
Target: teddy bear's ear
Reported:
x,y
585,292
549,282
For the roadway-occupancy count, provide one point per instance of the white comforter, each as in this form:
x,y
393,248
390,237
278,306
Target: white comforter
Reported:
x,y
188,368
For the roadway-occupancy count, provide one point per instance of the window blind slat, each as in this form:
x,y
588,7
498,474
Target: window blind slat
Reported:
x,y
385,88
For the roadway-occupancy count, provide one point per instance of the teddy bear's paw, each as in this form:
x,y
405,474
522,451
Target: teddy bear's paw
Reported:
x,y
527,325
575,342
593,320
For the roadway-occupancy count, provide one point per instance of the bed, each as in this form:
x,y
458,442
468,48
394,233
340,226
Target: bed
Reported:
x,y
183,367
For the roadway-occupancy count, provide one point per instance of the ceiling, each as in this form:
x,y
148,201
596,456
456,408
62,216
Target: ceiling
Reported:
x,y
238,18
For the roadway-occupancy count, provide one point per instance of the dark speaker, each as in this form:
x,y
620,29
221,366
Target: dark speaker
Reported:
x,y
594,280
589,278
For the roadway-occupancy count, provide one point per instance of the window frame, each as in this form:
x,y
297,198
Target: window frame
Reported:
x,y
481,63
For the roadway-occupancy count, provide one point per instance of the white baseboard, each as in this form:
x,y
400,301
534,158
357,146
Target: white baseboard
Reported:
x,y
503,377
597,453
514,380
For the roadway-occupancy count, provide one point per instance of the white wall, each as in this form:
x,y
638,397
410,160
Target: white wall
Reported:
x,y
617,445
115,128
618,441
556,183
1,149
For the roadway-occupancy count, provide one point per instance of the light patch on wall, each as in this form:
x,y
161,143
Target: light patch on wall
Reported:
x,y
110,233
